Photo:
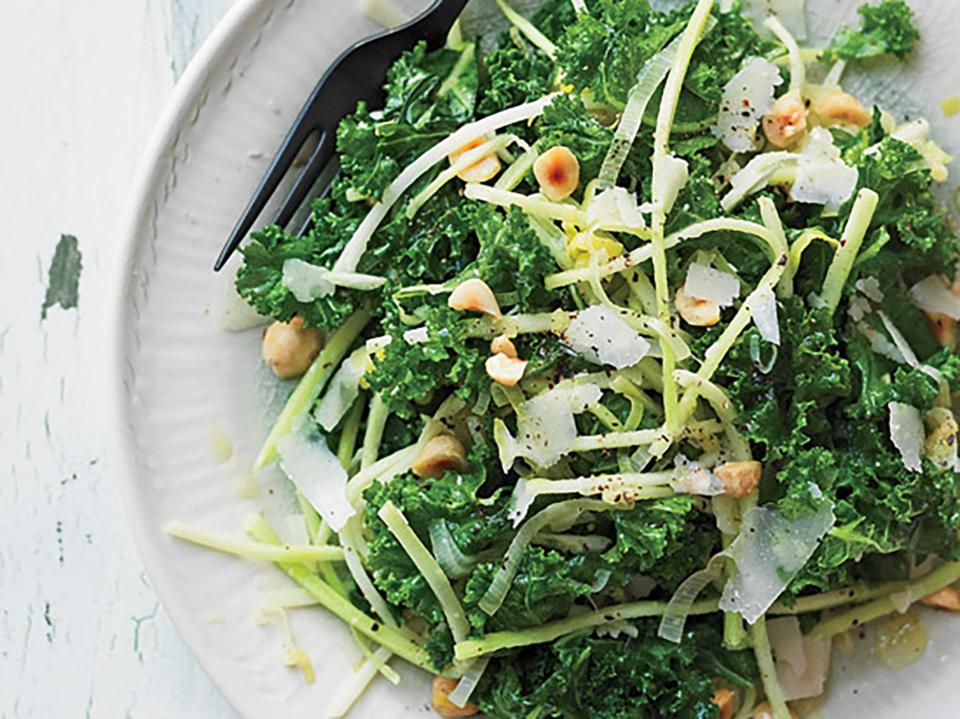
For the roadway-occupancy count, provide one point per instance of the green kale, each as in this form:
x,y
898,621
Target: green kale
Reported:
x,y
605,48
473,521
885,29
260,278
667,539
422,108
546,586
614,678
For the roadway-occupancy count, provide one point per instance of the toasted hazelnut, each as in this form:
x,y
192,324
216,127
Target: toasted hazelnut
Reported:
x,y
475,295
940,445
505,370
697,313
947,598
739,478
289,349
558,172
786,123
942,327
442,686
841,108
486,168
439,454
503,345
765,711
726,700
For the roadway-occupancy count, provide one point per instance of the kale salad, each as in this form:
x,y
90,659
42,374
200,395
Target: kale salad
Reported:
x,y
626,344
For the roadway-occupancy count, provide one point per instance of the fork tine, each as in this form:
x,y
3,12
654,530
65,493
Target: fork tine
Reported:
x,y
268,185
325,185
301,188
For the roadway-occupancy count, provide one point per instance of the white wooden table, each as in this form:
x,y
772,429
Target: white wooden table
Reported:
x,y
81,631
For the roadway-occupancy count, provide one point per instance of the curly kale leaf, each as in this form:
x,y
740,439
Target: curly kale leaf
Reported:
x,y
260,278
605,48
885,29
474,523
614,678
667,539
428,96
546,586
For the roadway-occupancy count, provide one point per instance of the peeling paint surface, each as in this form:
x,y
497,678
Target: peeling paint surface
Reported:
x,y
82,633
63,276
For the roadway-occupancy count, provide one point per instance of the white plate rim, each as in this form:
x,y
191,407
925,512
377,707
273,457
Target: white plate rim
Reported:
x,y
187,92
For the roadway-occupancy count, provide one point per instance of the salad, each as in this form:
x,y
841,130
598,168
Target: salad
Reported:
x,y
626,343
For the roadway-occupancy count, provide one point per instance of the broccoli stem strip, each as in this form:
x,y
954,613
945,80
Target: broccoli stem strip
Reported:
x,y
348,436
428,568
798,67
550,631
311,384
528,29
661,141
274,552
373,435
514,174
645,253
837,598
392,638
799,246
938,579
853,235
768,670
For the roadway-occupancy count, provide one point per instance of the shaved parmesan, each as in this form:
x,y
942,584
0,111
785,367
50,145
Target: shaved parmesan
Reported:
x,y
317,473
870,287
818,174
763,306
694,478
670,175
802,662
906,433
600,335
545,425
342,391
615,210
746,99
822,178
309,282
711,285
934,295
769,552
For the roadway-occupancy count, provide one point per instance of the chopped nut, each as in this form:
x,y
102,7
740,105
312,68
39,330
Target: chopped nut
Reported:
x,y
289,349
503,345
475,295
739,478
841,108
947,598
942,327
940,445
439,454
558,172
697,313
442,686
726,700
484,169
505,370
786,123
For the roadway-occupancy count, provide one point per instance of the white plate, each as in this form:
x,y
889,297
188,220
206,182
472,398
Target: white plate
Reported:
x,y
179,372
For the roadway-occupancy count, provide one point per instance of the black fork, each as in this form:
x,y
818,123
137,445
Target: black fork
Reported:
x,y
356,75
